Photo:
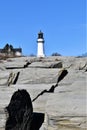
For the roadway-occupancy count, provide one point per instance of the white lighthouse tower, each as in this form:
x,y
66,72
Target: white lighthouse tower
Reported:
x,y
40,46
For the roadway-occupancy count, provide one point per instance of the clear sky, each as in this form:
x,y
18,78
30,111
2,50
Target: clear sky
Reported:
x,y
63,23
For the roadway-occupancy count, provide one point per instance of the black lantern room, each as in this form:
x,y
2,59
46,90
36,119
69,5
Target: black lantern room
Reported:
x,y
40,35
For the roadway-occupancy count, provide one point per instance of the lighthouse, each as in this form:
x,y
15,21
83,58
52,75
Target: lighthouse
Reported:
x,y
40,45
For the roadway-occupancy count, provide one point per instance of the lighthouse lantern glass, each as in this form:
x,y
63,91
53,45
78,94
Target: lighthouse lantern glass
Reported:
x,y
40,35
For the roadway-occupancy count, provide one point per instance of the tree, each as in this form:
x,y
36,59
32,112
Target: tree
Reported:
x,y
56,54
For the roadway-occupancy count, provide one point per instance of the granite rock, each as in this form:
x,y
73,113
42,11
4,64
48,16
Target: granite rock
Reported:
x,y
65,109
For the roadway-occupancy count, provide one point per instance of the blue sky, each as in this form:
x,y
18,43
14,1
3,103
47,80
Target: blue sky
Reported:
x,y
63,23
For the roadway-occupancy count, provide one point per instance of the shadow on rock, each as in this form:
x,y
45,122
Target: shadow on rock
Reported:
x,y
20,113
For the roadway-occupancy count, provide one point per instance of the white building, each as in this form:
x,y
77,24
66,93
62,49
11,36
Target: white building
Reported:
x,y
40,45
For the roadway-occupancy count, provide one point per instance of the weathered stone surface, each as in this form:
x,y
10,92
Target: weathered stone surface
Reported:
x,y
43,64
65,109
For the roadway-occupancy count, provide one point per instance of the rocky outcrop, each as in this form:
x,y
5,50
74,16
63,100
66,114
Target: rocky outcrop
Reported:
x,y
12,78
65,108
61,75
56,65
